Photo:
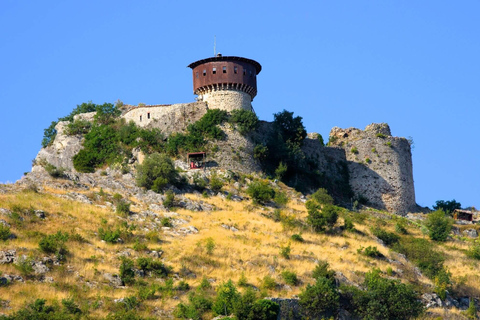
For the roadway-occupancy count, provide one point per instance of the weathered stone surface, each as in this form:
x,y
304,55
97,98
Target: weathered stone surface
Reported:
x,y
5,223
39,267
40,214
8,256
471,233
380,166
114,279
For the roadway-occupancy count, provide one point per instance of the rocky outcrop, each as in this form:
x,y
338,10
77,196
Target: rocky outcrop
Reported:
x,y
380,166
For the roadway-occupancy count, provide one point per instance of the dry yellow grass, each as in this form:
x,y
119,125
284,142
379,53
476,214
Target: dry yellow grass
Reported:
x,y
253,250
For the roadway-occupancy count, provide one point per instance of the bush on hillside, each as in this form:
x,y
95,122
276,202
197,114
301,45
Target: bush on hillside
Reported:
x,y
321,196
319,218
5,232
54,243
156,171
245,121
385,299
439,225
260,191
322,270
320,299
127,274
227,296
388,238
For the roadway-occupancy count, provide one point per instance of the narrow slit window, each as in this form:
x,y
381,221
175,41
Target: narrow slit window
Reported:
x,y
244,71
224,69
196,75
140,118
235,70
204,72
250,73
214,70
148,115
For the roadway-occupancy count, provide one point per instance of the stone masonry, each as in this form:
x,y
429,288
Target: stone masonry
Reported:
x,y
380,166
228,100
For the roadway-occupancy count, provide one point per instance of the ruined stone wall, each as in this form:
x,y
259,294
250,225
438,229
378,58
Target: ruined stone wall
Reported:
x,y
228,100
167,118
380,166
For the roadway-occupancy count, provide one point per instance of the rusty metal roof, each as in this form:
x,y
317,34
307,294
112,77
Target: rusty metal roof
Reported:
x,y
257,65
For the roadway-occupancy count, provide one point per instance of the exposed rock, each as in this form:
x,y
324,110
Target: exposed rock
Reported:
x,y
471,233
5,212
13,278
431,300
289,308
3,281
8,256
40,214
114,279
155,254
39,267
232,228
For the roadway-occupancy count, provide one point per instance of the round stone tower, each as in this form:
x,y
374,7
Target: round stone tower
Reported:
x,y
226,83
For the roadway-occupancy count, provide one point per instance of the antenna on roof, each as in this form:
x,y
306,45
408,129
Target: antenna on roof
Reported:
x,y
214,45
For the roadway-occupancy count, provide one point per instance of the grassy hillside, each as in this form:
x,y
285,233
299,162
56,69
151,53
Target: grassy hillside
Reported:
x,y
238,240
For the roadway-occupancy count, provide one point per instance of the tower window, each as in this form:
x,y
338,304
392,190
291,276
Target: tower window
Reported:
x,y
140,118
224,69
214,70
196,74
204,72
250,72
148,115
244,71
235,69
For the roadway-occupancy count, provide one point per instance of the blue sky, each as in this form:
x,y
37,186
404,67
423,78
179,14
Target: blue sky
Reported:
x,y
414,65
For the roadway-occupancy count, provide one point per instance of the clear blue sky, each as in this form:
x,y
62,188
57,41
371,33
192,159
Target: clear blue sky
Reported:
x,y
412,64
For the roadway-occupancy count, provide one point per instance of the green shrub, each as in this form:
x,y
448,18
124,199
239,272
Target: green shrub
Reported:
x,y
388,238
210,245
321,196
322,270
348,224
243,306
285,251
169,201
5,232
70,306
381,135
54,243
216,184
78,127
423,254
126,271
281,199
297,238
264,309
123,207
243,281
281,170
319,220
24,266
146,292
227,295
53,171
260,152
400,227
290,277
439,225
370,251
166,222
260,191
154,266
245,121
268,283
109,235
320,299
385,299
442,283
156,171
474,251
354,150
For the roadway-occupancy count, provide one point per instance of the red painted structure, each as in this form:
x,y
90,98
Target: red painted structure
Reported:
x,y
217,73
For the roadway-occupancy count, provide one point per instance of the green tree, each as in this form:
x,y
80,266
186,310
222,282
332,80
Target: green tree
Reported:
x,y
447,206
439,225
227,295
245,121
126,271
156,171
386,299
260,191
264,310
320,299
321,196
291,128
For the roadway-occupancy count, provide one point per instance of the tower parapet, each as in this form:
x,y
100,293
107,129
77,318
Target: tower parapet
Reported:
x,y
226,83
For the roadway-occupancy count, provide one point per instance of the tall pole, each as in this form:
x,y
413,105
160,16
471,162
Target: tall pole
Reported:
x,y
214,45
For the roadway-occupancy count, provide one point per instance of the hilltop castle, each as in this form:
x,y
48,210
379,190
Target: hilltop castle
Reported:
x,y
377,166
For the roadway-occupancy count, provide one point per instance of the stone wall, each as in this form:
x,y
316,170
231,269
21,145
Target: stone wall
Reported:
x,y
380,166
228,100
167,118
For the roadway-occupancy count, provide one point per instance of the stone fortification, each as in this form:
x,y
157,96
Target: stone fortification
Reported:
x,y
167,118
228,100
380,166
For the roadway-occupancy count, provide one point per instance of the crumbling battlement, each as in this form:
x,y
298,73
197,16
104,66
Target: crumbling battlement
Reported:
x,y
380,166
